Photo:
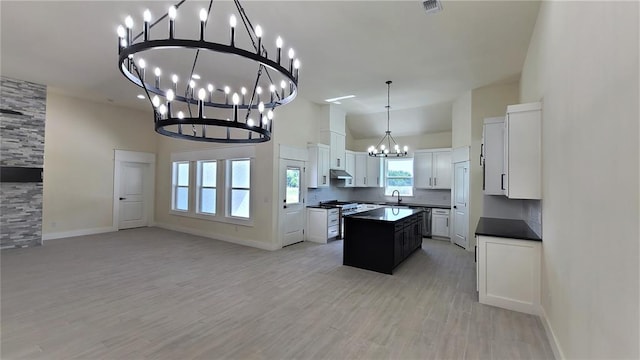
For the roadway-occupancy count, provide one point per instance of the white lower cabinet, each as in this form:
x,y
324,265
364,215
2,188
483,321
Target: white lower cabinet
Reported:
x,y
322,225
440,222
508,273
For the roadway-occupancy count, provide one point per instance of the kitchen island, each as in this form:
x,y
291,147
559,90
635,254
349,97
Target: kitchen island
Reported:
x,y
380,239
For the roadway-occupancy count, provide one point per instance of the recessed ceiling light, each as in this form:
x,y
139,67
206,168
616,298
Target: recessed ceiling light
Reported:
x,y
195,77
140,96
340,98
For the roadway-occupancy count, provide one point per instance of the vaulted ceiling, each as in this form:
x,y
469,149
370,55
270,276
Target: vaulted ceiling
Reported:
x,y
346,47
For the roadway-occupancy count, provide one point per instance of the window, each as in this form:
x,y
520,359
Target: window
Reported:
x,y
293,185
240,188
207,172
180,186
399,176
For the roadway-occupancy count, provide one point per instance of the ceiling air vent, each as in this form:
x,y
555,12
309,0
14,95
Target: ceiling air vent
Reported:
x,y
432,6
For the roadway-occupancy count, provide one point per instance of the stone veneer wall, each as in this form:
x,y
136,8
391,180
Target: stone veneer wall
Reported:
x,y
21,145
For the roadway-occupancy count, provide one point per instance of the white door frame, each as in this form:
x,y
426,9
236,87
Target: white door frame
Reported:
x,y
122,156
466,165
290,153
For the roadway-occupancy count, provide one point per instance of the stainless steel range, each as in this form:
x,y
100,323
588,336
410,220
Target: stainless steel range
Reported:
x,y
345,208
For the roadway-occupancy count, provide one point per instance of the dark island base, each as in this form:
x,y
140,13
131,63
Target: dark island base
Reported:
x,y
381,245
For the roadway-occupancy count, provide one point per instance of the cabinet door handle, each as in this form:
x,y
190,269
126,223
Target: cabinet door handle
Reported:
x,y
435,181
447,222
429,181
502,182
364,180
378,180
338,161
324,179
481,150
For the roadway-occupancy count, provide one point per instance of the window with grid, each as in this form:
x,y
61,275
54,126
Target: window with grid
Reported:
x,y
207,172
240,189
180,201
399,176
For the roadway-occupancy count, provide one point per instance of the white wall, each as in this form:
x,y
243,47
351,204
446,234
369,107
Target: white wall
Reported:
x,y
80,139
461,121
583,64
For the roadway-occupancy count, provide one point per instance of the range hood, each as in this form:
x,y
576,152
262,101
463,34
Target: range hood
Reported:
x,y
340,174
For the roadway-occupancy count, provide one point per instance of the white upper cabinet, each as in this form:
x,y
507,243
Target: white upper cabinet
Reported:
x,y
350,167
374,172
318,166
332,131
432,169
492,155
360,173
522,152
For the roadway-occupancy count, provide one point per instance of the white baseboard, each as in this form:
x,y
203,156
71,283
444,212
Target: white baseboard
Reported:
x,y
208,234
553,341
80,232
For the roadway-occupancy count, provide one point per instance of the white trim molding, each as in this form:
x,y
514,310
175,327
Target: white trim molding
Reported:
x,y
551,336
220,237
79,232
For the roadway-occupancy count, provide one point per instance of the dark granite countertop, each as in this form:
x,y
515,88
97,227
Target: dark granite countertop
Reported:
x,y
506,228
390,214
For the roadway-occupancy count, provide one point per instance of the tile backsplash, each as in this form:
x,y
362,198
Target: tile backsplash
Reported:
x,y
429,197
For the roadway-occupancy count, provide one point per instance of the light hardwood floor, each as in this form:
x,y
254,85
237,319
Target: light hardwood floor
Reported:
x,y
154,293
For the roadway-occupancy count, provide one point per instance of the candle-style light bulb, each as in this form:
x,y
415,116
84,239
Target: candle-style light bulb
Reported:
x,y
192,84
236,99
272,89
232,24
227,90
243,91
123,42
291,55
382,147
296,67
180,115
406,148
201,95
203,21
142,64
279,48
162,109
283,84
121,32
270,114
128,22
174,78
259,36
250,122
203,14
210,88
261,107
157,72
146,16
258,91
173,12
170,95
155,101
264,120
386,151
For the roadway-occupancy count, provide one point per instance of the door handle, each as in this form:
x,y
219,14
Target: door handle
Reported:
x,y
481,149
123,198
435,181
447,222
502,181
324,179
429,181
455,207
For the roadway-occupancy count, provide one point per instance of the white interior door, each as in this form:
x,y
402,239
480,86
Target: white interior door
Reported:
x,y
132,201
461,204
292,201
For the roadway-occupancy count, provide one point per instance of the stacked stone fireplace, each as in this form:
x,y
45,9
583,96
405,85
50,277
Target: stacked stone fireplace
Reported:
x,y
22,116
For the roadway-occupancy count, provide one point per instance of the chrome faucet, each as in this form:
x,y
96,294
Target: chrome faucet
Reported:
x,y
399,198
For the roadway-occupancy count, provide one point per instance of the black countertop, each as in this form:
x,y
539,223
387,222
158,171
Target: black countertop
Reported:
x,y
506,228
390,214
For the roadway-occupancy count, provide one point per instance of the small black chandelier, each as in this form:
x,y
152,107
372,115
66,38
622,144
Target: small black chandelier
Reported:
x,y
385,150
209,113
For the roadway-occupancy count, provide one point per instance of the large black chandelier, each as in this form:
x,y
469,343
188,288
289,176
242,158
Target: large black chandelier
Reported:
x,y
211,112
384,149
